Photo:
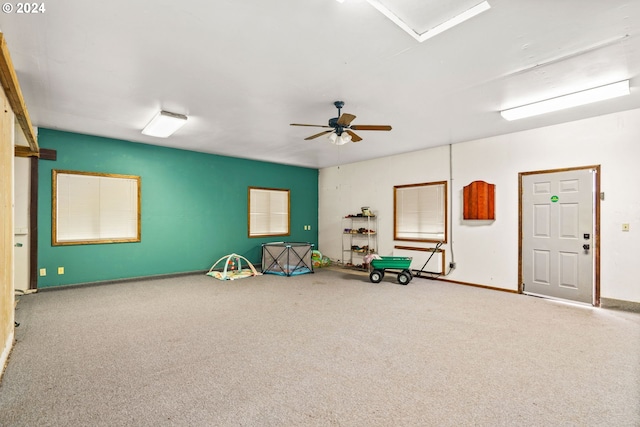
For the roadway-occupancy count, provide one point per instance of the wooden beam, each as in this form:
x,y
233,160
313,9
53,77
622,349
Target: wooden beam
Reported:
x,y
9,81
48,154
6,232
22,151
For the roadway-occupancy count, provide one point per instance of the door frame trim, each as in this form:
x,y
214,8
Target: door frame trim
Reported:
x,y
596,259
33,224
44,154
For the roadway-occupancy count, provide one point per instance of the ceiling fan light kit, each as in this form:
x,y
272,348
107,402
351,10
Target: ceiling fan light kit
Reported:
x,y
164,124
339,139
575,99
342,131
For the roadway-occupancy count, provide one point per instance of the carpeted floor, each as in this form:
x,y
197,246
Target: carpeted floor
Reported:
x,y
324,349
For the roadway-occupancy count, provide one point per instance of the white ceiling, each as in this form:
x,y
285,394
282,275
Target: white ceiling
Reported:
x,y
244,70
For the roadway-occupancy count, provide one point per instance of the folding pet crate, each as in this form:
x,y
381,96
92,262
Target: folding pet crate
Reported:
x,y
287,258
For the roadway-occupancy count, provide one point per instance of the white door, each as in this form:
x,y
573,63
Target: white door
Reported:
x,y
558,210
22,172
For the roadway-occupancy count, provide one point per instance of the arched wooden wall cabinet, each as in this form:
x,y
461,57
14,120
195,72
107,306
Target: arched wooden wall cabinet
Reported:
x,y
479,201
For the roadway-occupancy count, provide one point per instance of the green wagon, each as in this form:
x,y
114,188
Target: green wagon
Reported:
x,y
395,264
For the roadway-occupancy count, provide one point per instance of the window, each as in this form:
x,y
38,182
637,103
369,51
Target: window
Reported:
x,y
90,208
268,212
420,212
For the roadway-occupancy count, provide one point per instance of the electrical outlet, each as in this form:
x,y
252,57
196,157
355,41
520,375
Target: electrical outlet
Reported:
x,y
452,265
43,272
60,270
625,227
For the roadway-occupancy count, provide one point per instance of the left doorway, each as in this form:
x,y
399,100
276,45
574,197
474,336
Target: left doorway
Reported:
x,y
22,246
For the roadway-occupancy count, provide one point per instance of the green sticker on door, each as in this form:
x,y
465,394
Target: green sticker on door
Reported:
x,y
554,198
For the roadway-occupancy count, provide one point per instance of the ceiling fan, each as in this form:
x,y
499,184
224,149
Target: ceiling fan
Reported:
x,y
341,130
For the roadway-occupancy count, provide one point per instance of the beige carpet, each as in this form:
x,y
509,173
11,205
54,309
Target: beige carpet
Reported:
x,y
323,349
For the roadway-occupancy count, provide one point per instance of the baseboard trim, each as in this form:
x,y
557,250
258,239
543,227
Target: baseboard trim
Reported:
x,y
616,304
608,303
123,280
8,346
475,285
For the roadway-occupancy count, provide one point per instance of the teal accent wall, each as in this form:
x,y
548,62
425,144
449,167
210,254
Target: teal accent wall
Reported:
x,y
194,208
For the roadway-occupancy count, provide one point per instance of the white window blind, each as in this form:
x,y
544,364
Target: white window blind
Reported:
x,y
420,212
268,212
95,208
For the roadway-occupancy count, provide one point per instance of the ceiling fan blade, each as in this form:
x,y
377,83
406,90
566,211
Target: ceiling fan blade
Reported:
x,y
315,126
354,137
371,127
345,119
324,132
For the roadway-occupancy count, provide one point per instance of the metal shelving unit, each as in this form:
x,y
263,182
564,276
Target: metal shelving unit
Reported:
x,y
359,238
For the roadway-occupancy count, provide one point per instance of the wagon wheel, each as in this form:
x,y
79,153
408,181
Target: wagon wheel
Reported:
x,y
376,276
404,278
407,271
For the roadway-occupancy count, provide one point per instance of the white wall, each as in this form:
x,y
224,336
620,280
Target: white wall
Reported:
x,y
486,253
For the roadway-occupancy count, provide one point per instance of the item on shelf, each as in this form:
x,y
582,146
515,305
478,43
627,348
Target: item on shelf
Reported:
x,y
358,231
366,211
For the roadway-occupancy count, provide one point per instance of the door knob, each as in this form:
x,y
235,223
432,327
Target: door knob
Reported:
x,y
585,247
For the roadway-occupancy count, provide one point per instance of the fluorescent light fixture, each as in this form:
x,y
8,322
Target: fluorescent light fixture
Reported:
x,y
456,20
575,99
164,124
